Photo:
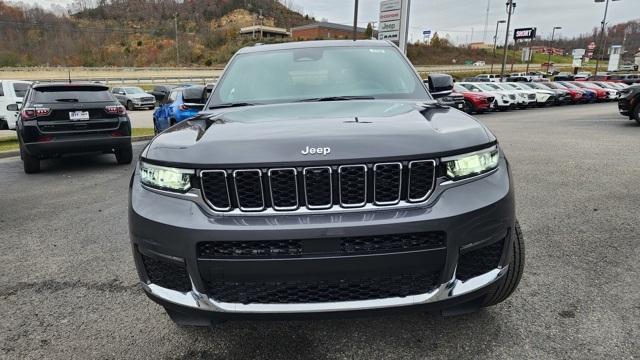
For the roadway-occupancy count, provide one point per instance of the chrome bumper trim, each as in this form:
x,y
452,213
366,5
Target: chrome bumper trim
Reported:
x,y
453,288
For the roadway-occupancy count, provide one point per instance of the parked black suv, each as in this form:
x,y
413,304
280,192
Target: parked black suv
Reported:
x,y
71,118
629,102
322,177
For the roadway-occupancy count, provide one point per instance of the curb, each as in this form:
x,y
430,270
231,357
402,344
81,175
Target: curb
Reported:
x,y
15,153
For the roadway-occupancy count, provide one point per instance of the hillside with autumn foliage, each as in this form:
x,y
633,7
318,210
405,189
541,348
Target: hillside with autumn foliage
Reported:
x,y
135,32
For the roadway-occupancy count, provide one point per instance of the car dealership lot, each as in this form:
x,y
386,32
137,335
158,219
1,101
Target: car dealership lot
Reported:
x,y
68,286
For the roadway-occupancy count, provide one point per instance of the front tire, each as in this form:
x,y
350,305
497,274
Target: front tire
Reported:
x,y
124,155
130,106
468,107
636,114
514,274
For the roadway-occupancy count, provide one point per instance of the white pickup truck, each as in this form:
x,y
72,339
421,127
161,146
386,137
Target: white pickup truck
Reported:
x,y
11,92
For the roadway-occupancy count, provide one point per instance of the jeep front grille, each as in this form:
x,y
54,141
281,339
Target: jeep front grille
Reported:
x,y
319,187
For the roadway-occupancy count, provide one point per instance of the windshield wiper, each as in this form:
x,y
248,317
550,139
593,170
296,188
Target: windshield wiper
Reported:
x,y
337,98
67,100
229,105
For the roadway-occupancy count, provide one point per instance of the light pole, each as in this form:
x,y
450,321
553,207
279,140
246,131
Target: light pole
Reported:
x,y
177,47
355,22
511,6
553,33
495,42
604,23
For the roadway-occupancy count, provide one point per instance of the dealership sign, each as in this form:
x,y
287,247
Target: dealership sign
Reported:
x,y
524,34
393,19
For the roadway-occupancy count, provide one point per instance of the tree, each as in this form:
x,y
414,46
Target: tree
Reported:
x,y
369,32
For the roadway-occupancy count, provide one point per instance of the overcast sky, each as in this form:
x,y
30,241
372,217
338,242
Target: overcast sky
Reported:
x,y
458,18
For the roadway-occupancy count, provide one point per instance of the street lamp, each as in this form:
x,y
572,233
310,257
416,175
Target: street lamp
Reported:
x,y
511,6
604,22
553,33
495,42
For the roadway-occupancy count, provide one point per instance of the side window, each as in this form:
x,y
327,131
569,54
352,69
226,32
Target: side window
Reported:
x,y
115,90
1,90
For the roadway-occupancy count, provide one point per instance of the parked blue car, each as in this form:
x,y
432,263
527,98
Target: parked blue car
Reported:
x,y
180,104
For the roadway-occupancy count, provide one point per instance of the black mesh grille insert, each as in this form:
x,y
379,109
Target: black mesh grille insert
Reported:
x,y
388,178
214,186
288,292
284,189
318,187
359,245
393,242
421,179
249,189
480,261
353,185
249,249
168,274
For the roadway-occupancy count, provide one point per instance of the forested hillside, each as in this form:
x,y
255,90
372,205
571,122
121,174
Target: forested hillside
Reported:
x,y
134,32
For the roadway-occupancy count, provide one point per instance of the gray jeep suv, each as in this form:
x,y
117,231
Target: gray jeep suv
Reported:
x,y
322,177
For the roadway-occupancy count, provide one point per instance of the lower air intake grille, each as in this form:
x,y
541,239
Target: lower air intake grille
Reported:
x,y
479,261
168,274
290,292
358,245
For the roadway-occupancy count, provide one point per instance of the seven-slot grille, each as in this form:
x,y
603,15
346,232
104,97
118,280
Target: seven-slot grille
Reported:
x,y
318,187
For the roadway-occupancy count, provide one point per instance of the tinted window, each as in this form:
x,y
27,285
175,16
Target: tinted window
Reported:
x,y
296,74
21,89
1,90
70,94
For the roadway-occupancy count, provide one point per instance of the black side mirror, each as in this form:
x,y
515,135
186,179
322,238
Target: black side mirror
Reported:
x,y
440,85
12,107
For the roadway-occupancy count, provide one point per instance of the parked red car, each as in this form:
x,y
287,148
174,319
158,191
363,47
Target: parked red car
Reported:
x,y
475,102
576,95
601,94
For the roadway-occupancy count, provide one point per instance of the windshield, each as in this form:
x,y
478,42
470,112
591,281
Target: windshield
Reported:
x,y
313,73
55,94
133,90
488,87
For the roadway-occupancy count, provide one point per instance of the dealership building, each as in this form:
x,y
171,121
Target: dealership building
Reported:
x,y
324,31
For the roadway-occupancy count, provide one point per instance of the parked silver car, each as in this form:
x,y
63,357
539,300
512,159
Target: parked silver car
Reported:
x,y
134,97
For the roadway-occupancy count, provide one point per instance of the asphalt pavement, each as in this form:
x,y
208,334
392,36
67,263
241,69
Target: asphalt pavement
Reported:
x,y
68,287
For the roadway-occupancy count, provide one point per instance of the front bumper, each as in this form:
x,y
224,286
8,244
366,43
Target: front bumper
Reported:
x,y
473,215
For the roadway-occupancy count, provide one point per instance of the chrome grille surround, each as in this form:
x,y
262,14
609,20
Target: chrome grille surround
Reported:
x,y
236,175
338,188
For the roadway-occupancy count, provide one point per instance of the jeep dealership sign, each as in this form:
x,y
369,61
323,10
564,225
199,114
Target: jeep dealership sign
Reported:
x,y
393,24
524,34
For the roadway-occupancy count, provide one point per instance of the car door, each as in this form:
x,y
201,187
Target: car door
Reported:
x,y
118,94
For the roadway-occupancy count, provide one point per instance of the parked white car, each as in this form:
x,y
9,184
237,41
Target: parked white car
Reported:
x,y
543,97
11,92
490,77
523,98
479,63
503,100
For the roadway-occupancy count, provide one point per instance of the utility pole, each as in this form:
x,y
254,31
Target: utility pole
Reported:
x,y
355,21
495,42
553,33
602,38
486,22
177,47
261,24
511,6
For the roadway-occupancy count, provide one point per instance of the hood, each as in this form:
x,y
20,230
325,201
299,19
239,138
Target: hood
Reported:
x,y
351,130
140,96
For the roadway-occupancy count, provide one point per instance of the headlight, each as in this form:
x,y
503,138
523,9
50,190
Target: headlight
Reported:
x,y
476,163
165,178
